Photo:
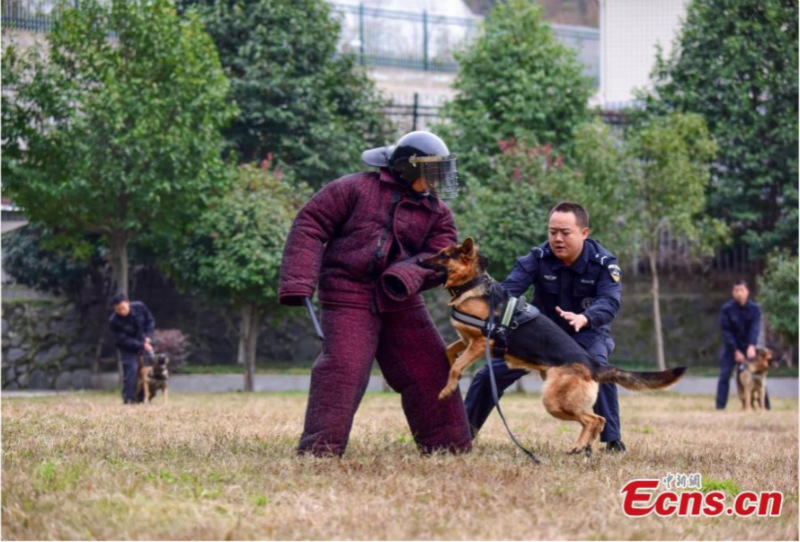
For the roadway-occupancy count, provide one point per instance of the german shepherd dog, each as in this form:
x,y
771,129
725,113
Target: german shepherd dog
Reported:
x,y
570,374
153,378
752,381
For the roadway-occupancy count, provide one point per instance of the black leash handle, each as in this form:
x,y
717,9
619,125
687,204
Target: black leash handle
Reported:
x,y
312,313
494,387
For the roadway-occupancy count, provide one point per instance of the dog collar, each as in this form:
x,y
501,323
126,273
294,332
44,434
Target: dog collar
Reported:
x,y
457,291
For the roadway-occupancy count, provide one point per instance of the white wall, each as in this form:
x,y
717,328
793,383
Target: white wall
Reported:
x,y
629,32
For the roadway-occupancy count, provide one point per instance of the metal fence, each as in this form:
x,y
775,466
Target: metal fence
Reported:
x,y
30,15
422,41
377,37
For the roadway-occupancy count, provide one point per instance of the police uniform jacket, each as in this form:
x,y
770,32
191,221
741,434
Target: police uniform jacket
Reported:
x,y
740,325
591,286
361,237
131,331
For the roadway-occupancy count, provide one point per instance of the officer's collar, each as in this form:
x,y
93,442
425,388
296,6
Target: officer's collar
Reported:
x,y
578,266
428,200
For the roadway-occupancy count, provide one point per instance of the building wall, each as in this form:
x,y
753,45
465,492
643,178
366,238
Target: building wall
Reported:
x,y
629,33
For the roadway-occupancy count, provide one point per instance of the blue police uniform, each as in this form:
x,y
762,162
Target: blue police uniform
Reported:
x,y
740,328
130,333
591,285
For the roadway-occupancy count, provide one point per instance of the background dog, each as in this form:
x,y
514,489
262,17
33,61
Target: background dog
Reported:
x,y
571,374
751,381
153,378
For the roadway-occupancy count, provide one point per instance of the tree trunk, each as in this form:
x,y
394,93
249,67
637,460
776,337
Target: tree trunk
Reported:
x,y
119,261
652,254
248,337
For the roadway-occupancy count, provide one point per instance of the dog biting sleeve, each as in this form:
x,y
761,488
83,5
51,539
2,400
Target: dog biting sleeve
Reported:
x,y
406,277
315,225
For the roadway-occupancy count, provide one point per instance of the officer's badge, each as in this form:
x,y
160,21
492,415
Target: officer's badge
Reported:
x,y
616,272
586,302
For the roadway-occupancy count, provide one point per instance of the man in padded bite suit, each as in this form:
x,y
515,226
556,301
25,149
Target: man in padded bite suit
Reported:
x,y
361,237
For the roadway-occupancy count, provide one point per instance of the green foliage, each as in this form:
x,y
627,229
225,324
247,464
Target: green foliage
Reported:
x,y
234,251
777,287
518,81
667,177
114,129
598,181
509,216
36,258
314,111
736,64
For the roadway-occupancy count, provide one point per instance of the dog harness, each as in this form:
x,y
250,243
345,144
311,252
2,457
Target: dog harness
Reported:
x,y
516,311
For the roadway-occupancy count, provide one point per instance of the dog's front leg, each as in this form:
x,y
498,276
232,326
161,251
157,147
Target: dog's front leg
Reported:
x,y
146,391
454,350
473,352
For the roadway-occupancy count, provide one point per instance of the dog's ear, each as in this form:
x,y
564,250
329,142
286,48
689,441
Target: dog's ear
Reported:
x,y
483,262
467,246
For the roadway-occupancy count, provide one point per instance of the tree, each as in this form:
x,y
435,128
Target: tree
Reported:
x,y
515,81
511,213
735,63
34,256
777,287
313,110
114,130
234,251
529,180
667,177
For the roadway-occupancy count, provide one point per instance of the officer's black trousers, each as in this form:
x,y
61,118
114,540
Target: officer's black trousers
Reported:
x,y
130,366
479,401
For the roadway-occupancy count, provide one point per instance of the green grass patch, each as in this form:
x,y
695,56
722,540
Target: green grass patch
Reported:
x,y
728,486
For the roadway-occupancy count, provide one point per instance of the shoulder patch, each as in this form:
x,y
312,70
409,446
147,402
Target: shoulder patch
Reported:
x,y
615,272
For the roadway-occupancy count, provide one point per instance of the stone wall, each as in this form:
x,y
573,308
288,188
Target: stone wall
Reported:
x,y
46,344
51,343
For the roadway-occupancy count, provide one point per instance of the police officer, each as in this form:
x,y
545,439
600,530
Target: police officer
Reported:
x,y
740,320
132,325
577,285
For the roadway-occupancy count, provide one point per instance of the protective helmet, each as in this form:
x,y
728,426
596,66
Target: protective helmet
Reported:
x,y
419,154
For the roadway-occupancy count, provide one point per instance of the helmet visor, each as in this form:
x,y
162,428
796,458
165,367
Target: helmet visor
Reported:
x,y
440,173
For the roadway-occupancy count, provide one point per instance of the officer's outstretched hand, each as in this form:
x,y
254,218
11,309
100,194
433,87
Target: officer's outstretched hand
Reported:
x,y
577,321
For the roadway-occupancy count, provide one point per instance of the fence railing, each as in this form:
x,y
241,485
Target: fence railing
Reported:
x,y
424,41
377,37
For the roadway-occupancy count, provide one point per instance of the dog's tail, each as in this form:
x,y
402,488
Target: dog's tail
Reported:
x,y
639,381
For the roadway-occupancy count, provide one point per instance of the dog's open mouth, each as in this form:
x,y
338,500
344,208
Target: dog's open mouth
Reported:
x,y
432,263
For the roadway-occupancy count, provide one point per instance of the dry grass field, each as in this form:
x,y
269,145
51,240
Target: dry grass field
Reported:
x,y
222,467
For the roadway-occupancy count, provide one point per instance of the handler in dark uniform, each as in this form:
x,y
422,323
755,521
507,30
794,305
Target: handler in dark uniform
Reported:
x,y
361,237
577,285
740,320
132,325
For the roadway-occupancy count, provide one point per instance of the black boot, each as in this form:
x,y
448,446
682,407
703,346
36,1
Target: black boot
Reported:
x,y
615,446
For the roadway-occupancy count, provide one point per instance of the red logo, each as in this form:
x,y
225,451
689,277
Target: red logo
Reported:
x,y
640,499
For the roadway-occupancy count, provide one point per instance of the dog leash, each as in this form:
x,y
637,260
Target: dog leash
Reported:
x,y
494,387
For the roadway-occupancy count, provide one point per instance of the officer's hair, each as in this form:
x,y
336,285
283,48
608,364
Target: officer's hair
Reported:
x,y
581,215
118,298
741,282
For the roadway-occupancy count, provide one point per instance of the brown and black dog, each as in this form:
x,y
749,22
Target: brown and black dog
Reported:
x,y
752,381
153,378
571,374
